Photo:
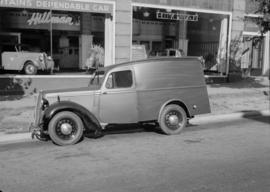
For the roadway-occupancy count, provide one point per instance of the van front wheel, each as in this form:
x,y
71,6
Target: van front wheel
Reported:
x,y
66,128
173,119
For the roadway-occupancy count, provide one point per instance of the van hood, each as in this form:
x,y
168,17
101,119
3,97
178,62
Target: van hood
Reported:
x,y
89,88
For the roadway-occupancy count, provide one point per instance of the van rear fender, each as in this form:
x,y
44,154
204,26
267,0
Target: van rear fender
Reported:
x,y
89,120
176,102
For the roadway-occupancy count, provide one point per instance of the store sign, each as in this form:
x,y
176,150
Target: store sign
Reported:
x,y
65,5
46,17
176,16
41,20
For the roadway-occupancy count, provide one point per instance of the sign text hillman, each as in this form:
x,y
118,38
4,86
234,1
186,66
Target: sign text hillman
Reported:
x,y
66,5
47,17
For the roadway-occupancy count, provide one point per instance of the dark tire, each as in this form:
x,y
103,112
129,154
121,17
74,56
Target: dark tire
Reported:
x,y
173,119
65,128
30,68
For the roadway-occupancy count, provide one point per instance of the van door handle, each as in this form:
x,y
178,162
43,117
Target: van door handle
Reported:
x,y
105,93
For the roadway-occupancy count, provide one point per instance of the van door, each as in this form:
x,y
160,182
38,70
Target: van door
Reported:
x,y
118,100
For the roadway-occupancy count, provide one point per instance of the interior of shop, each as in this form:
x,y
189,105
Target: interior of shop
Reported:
x,y
197,34
66,36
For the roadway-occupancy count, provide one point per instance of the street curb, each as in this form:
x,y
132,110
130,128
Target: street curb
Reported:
x,y
200,120
204,119
14,138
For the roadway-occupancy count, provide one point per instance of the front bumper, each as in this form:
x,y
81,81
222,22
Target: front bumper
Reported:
x,y
36,128
36,132
50,64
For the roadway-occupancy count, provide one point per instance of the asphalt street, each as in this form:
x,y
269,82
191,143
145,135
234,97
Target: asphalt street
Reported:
x,y
232,156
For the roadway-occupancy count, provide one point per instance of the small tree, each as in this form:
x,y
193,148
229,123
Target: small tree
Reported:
x,y
264,9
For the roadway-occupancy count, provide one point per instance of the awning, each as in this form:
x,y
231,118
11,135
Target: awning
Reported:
x,y
65,5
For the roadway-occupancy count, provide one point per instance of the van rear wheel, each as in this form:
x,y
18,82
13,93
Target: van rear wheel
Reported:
x,y
173,119
65,128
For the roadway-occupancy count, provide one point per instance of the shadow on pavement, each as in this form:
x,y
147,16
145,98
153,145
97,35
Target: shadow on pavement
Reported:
x,y
248,115
256,116
128,128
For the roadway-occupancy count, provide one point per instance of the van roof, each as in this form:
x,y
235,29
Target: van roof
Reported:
x,y
155,59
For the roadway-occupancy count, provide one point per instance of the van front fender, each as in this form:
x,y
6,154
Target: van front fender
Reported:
x,y
89,119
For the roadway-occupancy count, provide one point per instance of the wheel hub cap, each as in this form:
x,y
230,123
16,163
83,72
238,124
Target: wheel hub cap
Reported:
x,y
30,69
66,128
173,120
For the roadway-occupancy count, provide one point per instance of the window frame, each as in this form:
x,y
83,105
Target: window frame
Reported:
x,y
129,68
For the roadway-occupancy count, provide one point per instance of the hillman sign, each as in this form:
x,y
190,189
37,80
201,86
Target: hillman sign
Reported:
x,y
66,5
46,17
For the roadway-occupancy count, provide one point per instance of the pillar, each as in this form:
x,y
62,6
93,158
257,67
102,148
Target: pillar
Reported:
x,y
266,59
108,60
181,36
86,39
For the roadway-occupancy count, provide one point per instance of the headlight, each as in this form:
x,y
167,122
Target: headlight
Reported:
x,y
41,57
44,104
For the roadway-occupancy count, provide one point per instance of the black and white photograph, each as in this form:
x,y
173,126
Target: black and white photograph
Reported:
x,y
135,95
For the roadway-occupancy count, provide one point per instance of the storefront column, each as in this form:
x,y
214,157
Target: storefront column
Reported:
x,y
85,40
182,41
266,63
108,40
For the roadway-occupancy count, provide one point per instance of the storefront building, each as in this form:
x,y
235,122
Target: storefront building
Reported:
x,y
257,57
67,29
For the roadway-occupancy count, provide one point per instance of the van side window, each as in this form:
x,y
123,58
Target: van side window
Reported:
x,y
120,79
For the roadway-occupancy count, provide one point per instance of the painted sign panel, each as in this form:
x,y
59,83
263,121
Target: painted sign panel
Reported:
x,y
66,5
176,16
41,20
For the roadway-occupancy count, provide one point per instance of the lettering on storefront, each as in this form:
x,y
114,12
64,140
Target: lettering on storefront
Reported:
x,y
176,16
46,17
66,5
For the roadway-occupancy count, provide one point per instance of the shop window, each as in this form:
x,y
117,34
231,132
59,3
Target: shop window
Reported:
x,y
199,34
120,79
68,40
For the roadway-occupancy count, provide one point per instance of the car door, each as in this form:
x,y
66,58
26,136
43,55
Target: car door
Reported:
x,y
118,99
10,60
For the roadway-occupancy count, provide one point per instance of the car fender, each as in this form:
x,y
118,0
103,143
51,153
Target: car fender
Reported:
x,y
88,118
174,101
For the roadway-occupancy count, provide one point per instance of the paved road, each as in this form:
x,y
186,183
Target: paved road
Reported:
x,y
231,157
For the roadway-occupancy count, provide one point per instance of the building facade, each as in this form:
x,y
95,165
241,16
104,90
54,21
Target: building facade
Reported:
x,y
215,30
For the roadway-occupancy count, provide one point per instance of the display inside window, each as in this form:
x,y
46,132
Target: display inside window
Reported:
x,y
67,36
178,33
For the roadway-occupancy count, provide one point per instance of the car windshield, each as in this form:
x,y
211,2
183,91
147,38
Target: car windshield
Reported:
x,y
27,48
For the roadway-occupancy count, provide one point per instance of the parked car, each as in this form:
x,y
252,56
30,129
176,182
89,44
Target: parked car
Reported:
x,y
168,53
165,91
27,61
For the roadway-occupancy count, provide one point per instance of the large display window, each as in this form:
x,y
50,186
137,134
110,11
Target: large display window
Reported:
x,y
188,33
73,33
66,36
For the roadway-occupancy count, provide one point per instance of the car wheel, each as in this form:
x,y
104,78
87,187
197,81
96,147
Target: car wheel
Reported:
x,y
30,68
65,128
173,119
